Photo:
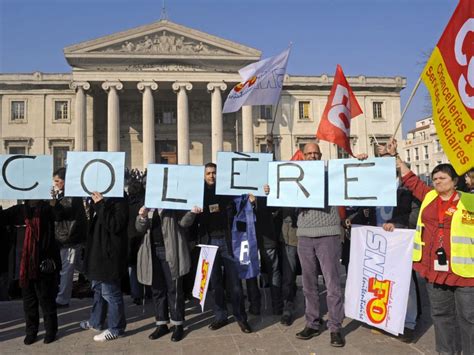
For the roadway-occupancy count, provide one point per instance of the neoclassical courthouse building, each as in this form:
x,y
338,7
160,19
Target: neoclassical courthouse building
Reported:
x,y
157,91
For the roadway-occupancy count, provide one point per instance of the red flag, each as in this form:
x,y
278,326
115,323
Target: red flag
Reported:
x,y
341,107
298,155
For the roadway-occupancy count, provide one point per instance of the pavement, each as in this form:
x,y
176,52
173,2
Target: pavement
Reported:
x,y
269,336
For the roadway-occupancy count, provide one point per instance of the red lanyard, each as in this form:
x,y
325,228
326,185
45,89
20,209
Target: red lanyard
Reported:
x,y
442,208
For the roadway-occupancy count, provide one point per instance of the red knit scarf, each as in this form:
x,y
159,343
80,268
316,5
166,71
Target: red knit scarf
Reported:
x,y
30,253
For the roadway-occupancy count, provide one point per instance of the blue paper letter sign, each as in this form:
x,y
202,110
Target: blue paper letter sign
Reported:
x,y
26,177
296,184
175,187
370,182
242,173
95,171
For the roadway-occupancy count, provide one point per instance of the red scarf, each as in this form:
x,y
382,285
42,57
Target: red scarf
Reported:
x,y
30,253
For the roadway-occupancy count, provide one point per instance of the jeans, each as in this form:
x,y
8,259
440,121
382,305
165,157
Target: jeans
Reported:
x,y
328,251
69,258
225,263
41,292
167,293
452,313
136,288
289,262
108,301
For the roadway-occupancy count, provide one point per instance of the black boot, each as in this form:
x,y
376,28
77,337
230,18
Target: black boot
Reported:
x,y
29,339
178,333
159,332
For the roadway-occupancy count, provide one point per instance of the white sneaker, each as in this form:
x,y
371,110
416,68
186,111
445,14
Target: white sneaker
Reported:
x,y
106,336
86,326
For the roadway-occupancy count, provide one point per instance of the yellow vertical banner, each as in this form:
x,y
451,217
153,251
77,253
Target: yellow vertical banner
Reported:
x,y
449,77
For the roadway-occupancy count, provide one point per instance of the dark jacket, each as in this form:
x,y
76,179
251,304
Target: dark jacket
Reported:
x,y
48,247
106,246
215,223
70,210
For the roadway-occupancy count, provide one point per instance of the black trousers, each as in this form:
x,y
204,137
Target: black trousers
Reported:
x,y
41,292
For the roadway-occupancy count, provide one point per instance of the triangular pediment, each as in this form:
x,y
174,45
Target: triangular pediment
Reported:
x,y
160,40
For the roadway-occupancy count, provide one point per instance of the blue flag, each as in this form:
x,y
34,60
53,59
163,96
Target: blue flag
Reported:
x,y
244,239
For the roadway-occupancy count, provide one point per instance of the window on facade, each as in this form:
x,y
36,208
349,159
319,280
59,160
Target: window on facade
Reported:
x,y
61,110
377,108
341,153
165,113
427,169
408,155
426,152
417,156
16,150
59,157
18,110
438,146
304,109
417,170
266,112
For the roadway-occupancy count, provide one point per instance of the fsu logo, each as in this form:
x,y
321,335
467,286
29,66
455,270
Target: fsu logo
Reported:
x,y
377,307
204,276
240,86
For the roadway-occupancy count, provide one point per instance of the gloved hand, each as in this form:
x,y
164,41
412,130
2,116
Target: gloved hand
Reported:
x,y
47,266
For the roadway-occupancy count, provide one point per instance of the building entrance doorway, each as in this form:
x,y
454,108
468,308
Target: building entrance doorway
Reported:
x,y
166,152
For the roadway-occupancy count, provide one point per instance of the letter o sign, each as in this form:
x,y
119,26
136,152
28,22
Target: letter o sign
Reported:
x,y
112,175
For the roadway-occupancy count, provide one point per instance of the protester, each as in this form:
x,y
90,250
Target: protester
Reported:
x,y
319,232
171,261
106,264
70,228
39,267
136,198
214,230
443,254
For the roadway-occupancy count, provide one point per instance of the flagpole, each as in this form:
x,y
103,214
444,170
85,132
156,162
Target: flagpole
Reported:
x,y
407,104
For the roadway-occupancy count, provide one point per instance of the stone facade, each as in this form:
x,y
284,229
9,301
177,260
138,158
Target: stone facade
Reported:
x,y
421,148
156,92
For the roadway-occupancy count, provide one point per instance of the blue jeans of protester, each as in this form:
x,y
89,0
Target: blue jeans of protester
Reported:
x,y
452,313
328,251
108,301
226,264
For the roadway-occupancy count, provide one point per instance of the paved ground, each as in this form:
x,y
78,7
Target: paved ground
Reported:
x,y
269,335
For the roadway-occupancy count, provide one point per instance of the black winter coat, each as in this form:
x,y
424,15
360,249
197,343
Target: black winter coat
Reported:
x,y
106,246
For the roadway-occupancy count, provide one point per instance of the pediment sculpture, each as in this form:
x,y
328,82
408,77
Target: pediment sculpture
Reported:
x,y
165,43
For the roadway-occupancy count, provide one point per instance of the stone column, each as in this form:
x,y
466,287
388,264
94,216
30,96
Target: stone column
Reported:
x,y
148,127
216,117
113,115
180,89
80,134
247,129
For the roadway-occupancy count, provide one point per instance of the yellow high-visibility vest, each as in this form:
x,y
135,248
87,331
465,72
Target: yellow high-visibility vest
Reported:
x,y
462,234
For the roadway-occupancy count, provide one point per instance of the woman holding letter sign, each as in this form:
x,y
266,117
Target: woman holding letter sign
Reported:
x,y
171,261
443,253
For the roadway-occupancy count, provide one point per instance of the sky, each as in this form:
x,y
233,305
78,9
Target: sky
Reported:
x,y
366,37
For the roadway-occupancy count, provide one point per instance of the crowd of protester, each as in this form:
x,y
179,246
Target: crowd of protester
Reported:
x,y
117,244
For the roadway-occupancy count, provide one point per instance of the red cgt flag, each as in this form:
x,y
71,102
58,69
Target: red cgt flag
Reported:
x,y
341,107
